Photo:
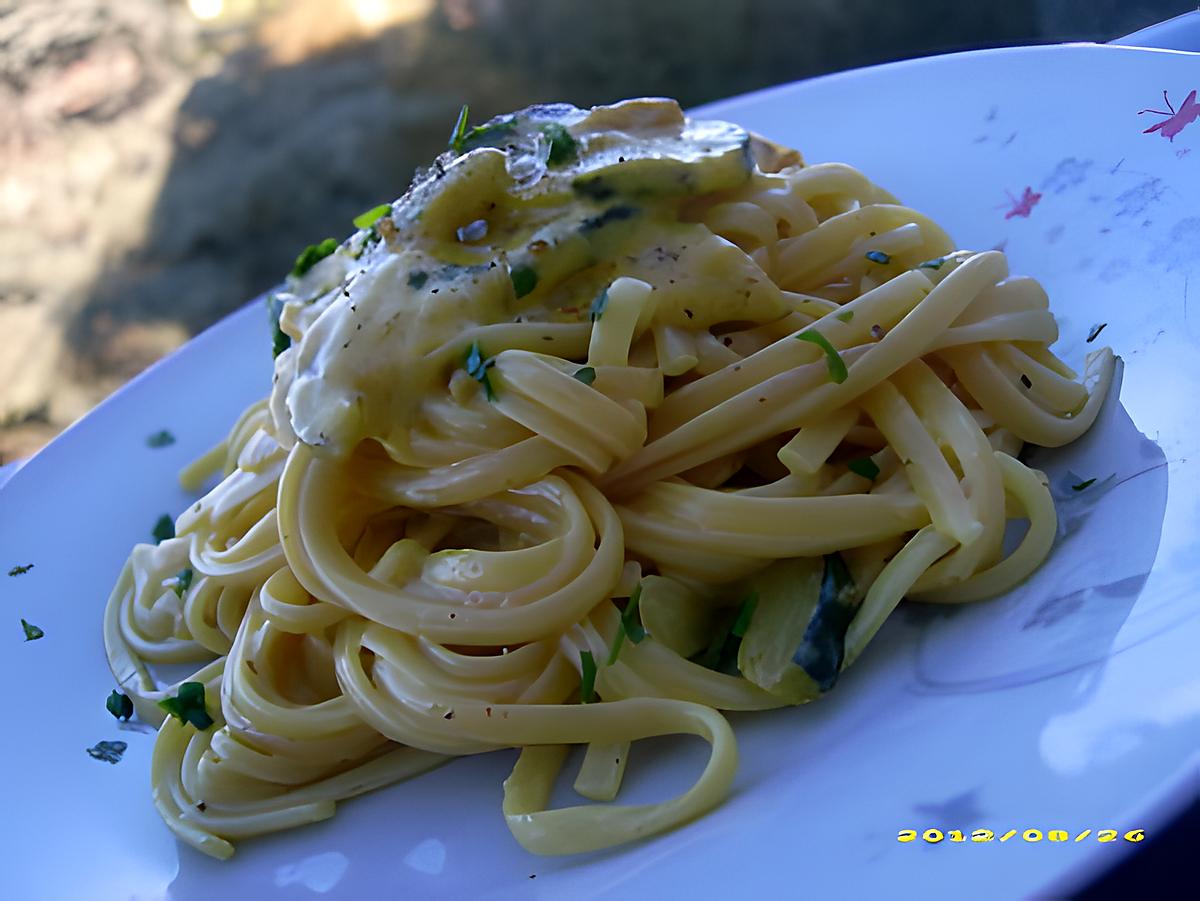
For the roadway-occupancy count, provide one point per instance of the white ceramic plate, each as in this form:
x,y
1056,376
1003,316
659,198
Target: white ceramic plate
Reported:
x,y
1072,703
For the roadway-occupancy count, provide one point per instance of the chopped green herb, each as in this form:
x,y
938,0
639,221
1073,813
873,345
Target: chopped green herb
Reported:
x,y
599,305
490,134
932,264
108,751
371,216
630,618
417,279
183,581
745,614
630,625
368,239
20,570
1095,331
587,374
1083,485
280,341
587,684
460,129
824,645
878,256
1025,381
563,147
313,254
524,279
32,632
161,438
163,529
473,361
837,366
721,654
477,368
188,705
119,705
844,317
865,467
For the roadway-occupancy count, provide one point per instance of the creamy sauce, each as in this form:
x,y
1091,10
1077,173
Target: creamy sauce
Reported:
x,y
565,201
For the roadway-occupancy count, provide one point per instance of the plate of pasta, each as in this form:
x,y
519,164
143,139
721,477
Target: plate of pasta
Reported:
x,y
770,497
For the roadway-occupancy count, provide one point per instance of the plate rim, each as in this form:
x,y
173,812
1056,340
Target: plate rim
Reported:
x,y
1157,809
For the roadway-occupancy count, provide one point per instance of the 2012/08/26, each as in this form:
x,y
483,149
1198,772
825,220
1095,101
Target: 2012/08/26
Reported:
x,y
933,836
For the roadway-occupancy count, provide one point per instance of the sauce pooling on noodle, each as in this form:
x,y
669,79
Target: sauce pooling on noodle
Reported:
x,y
500,233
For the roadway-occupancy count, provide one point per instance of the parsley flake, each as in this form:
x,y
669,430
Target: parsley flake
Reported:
x,y
878,256
119,705
32,632
1095,331
460,129
108,751
932,264
20,570
161,438
1025,381
745,614
188,705
599,305
587,374
183,581
492,133
823,647
417,279
477,368
524,279
280,340
631,620
629,624
563,147
837,366
1087,483
371,216
163,529
587,684
722,652
865,467
844,317
313,254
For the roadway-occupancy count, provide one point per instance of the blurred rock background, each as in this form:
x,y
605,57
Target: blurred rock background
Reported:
x,y
162,161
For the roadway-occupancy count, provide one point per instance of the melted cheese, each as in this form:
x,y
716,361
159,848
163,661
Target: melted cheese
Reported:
x,y
501,232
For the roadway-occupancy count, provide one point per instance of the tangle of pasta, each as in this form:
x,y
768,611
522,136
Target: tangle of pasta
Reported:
x,y
614,421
